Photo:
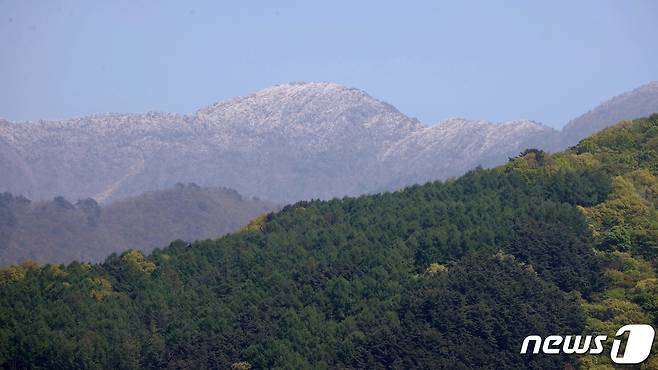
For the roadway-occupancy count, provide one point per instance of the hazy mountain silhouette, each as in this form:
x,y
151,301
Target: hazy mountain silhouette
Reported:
x,y
61,231
641,102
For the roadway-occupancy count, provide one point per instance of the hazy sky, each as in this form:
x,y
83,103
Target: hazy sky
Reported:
x,y
494,60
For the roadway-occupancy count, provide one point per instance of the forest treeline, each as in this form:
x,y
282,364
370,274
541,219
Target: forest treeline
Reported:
x,y
438,276
61,231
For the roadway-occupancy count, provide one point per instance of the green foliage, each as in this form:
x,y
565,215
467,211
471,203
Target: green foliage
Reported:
x,y
624,226
628,221
137,261
557,255
256,224
627,146
316,282
16,273
444,317
443,275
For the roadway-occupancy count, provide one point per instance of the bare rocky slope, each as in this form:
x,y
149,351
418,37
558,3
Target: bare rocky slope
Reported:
x,y
285,143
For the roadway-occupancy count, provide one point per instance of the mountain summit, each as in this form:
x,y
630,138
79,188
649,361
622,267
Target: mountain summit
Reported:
x,y
284,143
308,107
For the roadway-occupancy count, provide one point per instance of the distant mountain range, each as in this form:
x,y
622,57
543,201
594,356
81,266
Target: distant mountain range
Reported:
x,y
59,231
640,102
285,143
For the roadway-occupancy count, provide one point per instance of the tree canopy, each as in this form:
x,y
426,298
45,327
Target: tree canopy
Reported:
x,y
442,275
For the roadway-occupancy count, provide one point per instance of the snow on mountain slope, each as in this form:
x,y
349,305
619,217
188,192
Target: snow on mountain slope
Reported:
x,y
455,145
284,143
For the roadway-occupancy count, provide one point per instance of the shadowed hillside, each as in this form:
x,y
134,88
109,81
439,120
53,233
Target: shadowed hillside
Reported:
x,y
61,231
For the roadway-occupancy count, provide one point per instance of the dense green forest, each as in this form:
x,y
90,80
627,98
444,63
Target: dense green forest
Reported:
x,y
60,231
440,276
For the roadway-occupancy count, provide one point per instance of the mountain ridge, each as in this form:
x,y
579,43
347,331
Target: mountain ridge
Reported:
x,y
284,143
639,102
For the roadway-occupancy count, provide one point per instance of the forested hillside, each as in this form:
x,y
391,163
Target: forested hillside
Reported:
x,y
440,276
62,231
624,226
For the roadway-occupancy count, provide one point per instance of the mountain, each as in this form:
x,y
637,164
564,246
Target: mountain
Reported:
x,y
16,174
637,103
302,141
454,146
285,143
59,231
447,275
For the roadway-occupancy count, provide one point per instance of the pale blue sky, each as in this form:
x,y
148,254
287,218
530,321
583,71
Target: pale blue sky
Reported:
x,y
495,60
